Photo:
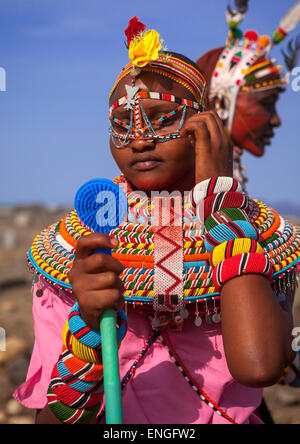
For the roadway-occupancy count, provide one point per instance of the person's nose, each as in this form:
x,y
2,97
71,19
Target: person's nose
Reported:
x,y
139,145
275,119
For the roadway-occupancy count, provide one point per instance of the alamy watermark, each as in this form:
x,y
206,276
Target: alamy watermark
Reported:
x,y
2,339
296,79
2,79
165,208
296,340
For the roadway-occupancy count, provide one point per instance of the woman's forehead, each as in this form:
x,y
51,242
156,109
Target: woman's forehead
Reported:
x,y
152,82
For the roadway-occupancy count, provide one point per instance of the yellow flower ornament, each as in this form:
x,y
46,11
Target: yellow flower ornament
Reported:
x,y
144,48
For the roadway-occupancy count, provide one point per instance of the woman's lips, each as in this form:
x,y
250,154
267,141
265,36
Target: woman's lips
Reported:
x,y
146,165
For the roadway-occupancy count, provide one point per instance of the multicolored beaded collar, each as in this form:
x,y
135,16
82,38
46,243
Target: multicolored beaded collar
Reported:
x,y
52,253
244,60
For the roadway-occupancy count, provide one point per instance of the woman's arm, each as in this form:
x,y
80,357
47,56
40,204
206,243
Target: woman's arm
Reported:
x,y
256,331
45,416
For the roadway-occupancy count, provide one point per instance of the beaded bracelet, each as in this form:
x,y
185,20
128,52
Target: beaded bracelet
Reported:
x,y
72,394
247,263
69,415
229,230
73,379
233,248
90,354
81,369
225,215
228,199
89,337
78,349
213,186
81,331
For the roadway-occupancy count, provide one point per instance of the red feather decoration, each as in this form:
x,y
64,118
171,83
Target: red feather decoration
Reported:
x,y
134,28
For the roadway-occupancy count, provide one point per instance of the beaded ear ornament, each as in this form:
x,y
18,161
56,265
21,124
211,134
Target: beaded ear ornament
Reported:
x,y
146,54
243,63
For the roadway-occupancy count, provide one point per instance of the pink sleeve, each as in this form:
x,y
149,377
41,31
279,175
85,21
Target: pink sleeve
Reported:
x,y
50,312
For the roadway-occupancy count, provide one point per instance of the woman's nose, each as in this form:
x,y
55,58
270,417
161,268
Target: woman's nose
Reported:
x,y
141,145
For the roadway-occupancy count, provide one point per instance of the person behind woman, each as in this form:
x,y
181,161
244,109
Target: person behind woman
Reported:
x,y
245,83
218,255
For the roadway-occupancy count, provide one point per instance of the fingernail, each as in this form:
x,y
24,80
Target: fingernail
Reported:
x,y
114,242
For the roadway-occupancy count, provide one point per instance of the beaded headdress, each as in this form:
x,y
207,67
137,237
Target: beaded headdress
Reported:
x,y
244,60
146,54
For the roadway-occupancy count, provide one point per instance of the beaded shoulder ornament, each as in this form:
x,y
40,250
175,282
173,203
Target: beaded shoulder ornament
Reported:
x,y
52,253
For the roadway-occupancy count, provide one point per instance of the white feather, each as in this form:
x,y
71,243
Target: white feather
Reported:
x,y
291,18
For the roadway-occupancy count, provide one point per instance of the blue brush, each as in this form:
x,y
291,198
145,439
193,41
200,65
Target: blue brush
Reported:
x,y
102,206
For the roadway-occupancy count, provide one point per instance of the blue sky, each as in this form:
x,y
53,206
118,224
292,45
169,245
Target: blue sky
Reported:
x,y
61,58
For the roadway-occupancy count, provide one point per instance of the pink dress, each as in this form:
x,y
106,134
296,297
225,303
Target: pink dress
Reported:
x,y
158,392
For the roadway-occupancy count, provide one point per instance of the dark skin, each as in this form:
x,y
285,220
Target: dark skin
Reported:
x,y
256,118
256,330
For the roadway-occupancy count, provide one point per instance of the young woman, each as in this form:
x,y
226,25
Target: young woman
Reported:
x,y
220,253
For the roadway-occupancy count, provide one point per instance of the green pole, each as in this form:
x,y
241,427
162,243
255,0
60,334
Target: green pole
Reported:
x,y
112,386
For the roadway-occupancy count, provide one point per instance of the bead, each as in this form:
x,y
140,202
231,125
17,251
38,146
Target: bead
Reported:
x,y
39,293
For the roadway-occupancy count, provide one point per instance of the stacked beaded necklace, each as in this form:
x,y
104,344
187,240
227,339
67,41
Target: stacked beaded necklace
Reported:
x,y
52,253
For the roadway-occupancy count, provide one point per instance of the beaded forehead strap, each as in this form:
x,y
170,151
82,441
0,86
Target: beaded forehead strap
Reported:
x,y
244,60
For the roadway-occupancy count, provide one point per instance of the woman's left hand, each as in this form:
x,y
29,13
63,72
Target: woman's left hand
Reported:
x,y
214,150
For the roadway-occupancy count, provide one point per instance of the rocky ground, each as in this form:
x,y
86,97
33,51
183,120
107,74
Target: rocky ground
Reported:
x,y
18,227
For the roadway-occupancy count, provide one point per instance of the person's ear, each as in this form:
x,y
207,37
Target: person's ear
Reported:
x,y
221,105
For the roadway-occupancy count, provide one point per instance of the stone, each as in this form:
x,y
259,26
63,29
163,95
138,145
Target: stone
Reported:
x,y
288,396
13,408
3,417
17,370
8,306
5,389
15,346
21,420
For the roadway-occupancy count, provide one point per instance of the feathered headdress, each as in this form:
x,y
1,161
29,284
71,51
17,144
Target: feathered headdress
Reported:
x,y
238,64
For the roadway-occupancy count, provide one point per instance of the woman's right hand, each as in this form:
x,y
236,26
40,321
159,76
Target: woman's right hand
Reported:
x,y
95,278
